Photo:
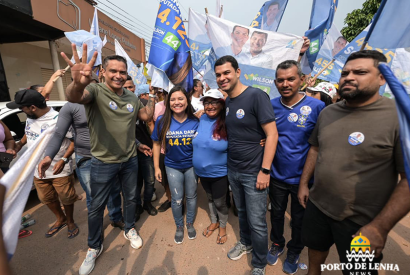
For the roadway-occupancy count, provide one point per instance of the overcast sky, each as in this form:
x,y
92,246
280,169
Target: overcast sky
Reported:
x,y
142,13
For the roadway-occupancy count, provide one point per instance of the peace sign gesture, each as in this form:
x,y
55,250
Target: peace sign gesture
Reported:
x,y
81,71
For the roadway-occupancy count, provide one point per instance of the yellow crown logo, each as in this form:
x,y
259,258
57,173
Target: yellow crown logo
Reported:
x,y
360,243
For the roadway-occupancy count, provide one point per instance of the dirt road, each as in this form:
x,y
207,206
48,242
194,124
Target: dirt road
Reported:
x,y
159,254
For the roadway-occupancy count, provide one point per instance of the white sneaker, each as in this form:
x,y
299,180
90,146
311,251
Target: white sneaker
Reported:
x,y
134,238
89,263
154,197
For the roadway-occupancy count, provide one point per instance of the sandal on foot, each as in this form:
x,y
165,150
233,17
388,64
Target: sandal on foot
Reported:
x,y
219,238
209,230
54,230
25,233
71,233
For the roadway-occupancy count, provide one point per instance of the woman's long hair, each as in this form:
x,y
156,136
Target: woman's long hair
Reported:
x,y
219,131
165,121
196,81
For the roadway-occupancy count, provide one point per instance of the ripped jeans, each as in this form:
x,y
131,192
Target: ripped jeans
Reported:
x,y
182,181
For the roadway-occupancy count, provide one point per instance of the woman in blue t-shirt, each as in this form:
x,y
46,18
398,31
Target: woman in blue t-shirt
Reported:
x,y
174,131
210,161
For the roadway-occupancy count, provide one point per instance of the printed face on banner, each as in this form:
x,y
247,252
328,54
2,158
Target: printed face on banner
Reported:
x,y
258,52
269,16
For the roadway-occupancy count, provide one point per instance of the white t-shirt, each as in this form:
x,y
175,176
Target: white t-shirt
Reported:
x,y
34,128
197,104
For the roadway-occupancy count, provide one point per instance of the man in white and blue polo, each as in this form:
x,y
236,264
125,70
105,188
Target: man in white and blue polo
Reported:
x,y
296,116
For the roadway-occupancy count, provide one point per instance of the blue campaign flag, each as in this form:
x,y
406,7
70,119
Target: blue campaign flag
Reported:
x,y
269,16
403,110
169,47
391,25
321,20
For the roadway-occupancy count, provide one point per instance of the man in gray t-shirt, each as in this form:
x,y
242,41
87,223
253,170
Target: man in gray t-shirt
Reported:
x,y
356,157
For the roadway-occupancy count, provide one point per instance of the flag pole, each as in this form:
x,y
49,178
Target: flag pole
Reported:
x,y
65,69
198,72
319,73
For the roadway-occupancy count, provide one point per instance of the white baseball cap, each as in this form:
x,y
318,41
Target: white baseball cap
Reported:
x,y
325,87
213,93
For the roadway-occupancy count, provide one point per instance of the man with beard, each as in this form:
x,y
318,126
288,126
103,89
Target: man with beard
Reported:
x,y
256,55
356,156
249,118
112,112
57,183
239,37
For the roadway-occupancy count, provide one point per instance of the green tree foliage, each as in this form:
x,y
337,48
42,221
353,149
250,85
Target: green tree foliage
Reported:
x,y
359,19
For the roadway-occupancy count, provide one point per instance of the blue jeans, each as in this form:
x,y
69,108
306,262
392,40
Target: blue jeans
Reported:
x,y
114,201
104,176
182,181
251,204
146,176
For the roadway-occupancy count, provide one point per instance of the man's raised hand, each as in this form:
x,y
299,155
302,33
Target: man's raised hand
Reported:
x,y
81,71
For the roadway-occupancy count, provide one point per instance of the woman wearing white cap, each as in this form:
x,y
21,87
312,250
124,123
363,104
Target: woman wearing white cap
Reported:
x,y
210,161
324,91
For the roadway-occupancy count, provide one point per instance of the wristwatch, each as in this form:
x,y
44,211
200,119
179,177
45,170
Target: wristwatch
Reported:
x,y
265,171
151,95
65,160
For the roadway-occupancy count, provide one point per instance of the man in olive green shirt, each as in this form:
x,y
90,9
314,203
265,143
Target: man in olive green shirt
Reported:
x,y
112,112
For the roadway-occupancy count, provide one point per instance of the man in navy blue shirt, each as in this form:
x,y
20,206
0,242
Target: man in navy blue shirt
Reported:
x,y
296,116
249,118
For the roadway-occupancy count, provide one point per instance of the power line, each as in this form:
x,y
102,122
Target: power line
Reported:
x,y
123,16
128,13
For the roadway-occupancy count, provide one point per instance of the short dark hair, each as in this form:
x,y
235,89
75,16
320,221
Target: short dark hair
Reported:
x,y
239,27
341,37
369,54
287,64
274,3
258,32
114,57
227,59
129,77
35,87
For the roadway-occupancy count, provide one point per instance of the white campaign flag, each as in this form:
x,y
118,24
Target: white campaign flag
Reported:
x,y
95,29
119,50
137,76
158,78
258,52
18,182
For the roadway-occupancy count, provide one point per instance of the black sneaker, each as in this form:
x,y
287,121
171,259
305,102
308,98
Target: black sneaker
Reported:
x,y
120,224
149,208
179,235
191,231
165,206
